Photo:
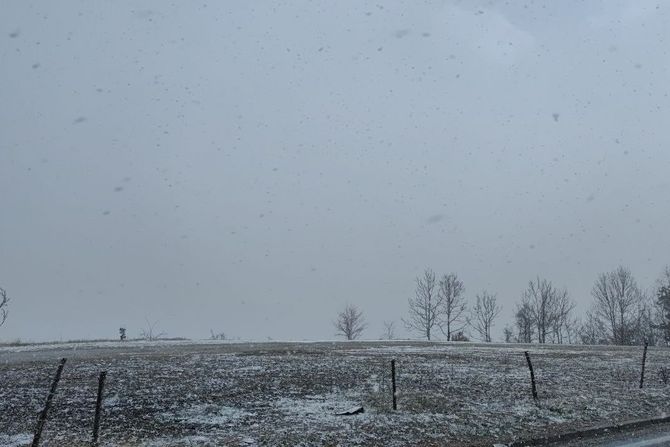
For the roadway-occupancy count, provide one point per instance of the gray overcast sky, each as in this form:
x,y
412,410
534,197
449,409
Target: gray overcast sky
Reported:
x,y
250,167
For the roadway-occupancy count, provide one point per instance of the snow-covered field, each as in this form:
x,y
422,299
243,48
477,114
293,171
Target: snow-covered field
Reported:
x,y
246,394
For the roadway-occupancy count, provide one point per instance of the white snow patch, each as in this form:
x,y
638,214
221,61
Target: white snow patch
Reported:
x,y
186,440
208,414
196,440
15,440
251,368
111,401
316,406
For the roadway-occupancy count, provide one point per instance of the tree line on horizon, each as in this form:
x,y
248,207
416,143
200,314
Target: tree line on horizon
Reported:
x,y
621,312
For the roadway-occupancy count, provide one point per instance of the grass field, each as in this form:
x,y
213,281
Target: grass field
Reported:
x,y
246,394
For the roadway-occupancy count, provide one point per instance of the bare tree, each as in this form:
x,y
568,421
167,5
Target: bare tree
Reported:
x,y
389,330
561,323
150,333
571,330
483,314
523,319
4,302
539,296
450,292
508,333
592,331
618,304
549,309
426,308
350,322
216,335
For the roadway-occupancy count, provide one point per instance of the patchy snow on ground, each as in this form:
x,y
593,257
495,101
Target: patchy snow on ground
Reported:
x,y
258,394
208,414
17,440
178,441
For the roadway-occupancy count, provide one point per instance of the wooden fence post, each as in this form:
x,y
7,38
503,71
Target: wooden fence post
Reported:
x,y
98,407
43,416
532,375
644,360
393,388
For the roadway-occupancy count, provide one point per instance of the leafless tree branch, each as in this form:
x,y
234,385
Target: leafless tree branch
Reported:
x,y
389,330
4,302
150,333
450,292
546,312
618,304
350,322
426,309
483,314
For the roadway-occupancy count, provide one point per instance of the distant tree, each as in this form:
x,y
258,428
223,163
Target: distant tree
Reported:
x,y
541,294
592,331
618,304
450,292
150,333
549,308
4,302
508,333
218,335
389,330
426,308
523,319
459,336
571,327
122,333
649,326
483,315
350,322
663,302
561,322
